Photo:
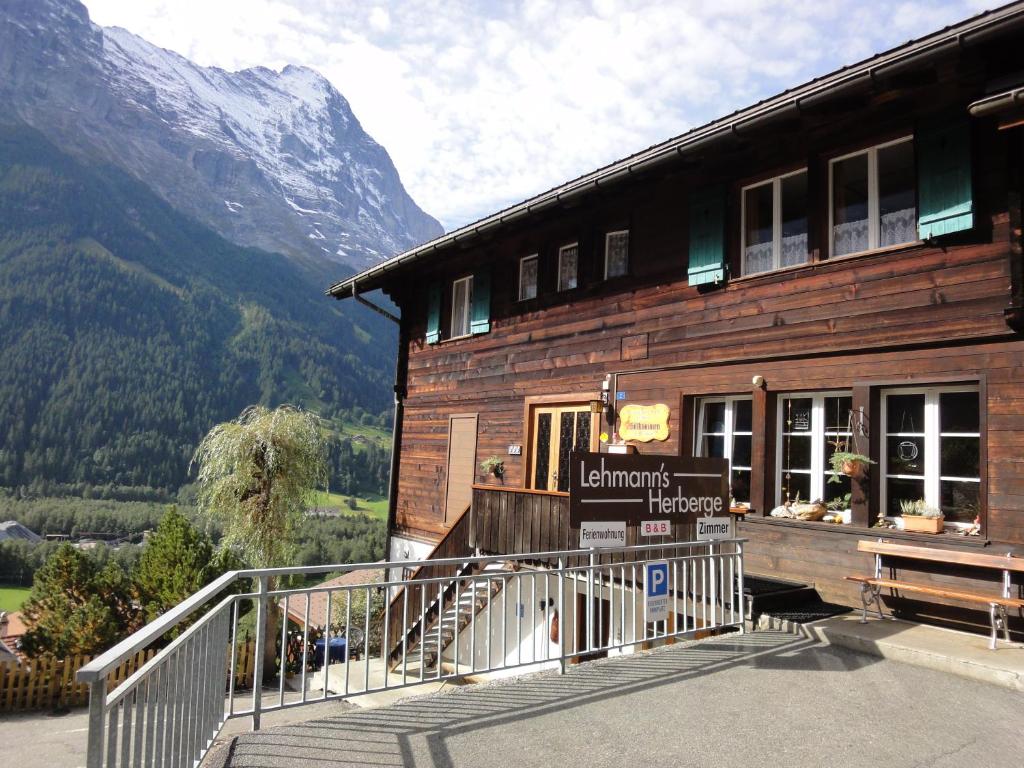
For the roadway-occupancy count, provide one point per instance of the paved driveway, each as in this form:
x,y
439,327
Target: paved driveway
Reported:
x,y
764,699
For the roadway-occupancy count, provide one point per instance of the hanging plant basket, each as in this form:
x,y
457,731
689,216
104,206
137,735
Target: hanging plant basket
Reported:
x,y
854,465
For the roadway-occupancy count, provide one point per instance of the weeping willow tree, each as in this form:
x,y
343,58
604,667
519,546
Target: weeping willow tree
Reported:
x,y
256,475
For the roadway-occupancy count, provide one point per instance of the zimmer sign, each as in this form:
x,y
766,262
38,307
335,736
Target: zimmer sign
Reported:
x,y
632,487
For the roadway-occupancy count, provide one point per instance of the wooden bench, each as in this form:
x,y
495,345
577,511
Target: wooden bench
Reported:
x,y
872,586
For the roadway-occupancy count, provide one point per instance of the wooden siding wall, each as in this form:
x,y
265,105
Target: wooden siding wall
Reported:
x,y
915,313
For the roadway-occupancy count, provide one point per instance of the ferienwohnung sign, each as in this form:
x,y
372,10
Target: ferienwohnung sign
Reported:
x,y
634,487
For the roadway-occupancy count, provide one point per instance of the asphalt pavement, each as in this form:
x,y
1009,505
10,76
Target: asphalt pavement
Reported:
x,y
763,699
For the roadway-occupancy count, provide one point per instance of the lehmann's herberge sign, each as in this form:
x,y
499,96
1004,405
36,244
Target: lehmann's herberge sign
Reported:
x,y
632,487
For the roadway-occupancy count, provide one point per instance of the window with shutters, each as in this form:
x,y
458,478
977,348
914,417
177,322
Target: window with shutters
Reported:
x,y
616,253
462,303
528,277
873,198
774,228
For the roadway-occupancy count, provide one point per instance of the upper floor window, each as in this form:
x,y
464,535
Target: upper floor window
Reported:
x,y
462,302
775,223
616,253
568,272
873,203
931,450
528,277
811,428
725,431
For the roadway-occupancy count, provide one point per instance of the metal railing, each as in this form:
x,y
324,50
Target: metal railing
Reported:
x,y
499,612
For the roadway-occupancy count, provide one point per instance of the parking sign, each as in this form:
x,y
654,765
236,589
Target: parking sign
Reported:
x,y
656,591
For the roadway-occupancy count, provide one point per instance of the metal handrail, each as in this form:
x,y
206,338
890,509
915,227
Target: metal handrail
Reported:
x,y
167,712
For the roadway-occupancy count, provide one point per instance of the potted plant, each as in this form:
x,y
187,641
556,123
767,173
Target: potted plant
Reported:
x,y
493,465
853,465
839,510
921,518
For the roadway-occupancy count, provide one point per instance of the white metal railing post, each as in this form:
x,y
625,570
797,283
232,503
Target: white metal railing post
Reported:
x,y
261,638
561,616
97,704
590,603
740,597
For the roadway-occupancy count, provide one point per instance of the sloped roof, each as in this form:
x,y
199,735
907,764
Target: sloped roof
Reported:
x,y
975,28
15,530
318,600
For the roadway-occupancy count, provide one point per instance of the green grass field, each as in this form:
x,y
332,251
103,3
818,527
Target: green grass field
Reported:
x,y
11,598
375,507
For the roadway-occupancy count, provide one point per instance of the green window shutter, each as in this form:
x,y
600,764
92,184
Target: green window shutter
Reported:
x,y
434,314
945,202
707,237
481,317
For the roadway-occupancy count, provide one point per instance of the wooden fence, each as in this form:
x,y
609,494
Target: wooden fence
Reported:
x,y
49,683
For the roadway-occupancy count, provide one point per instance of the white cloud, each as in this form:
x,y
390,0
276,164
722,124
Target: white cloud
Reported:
x,y
483,104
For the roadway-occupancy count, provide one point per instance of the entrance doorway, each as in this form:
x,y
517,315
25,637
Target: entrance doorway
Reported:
x,y
461,465
556,431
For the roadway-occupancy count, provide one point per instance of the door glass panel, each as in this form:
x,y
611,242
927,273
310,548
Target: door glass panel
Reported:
x,y
566,436
582,431
542,452
850,205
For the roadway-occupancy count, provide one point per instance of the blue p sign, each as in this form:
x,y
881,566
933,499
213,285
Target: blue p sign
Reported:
x,y
656,583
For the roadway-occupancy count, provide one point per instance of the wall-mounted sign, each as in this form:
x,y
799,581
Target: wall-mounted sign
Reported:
x,y
603,534
643,423
620,395
655,528
515,450
714,528
636,487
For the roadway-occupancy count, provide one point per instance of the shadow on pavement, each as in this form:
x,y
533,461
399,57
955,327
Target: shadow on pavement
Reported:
x,y
414,731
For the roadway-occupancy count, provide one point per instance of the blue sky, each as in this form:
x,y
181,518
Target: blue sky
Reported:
x,y
483,104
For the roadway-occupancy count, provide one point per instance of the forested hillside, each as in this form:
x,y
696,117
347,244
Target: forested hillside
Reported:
x,y
127,330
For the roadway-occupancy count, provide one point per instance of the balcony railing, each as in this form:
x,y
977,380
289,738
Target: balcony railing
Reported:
x,y
473,614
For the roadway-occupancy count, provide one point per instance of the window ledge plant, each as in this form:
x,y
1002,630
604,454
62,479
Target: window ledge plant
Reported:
x,y
918,517
493,465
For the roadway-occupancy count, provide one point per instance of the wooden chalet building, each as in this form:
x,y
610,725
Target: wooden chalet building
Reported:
x,y
840,264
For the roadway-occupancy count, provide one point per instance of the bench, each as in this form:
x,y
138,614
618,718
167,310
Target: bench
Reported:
x,y
872,586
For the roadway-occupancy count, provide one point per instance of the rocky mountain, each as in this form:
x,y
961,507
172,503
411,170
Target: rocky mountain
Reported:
x,y
275,160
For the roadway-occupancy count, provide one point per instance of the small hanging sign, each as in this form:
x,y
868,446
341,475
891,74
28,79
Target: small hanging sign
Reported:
x,y
644,423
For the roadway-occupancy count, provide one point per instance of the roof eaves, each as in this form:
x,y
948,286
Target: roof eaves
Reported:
x,y
821,87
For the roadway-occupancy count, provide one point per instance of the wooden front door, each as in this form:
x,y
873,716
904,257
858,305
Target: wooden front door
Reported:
x,y
557,430
461,466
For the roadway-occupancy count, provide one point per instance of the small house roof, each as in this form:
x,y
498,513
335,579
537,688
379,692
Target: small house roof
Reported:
x,y
12,529
318,600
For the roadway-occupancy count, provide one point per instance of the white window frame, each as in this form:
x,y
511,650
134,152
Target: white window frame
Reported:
x,y
561,252
873,212
818,469
536,286
730,430
458,333
932,444
608,236
776,182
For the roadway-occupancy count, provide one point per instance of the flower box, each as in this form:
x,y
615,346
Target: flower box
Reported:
x,y
919,524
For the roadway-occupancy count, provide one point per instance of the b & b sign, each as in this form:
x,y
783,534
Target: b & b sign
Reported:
x,y
634,487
